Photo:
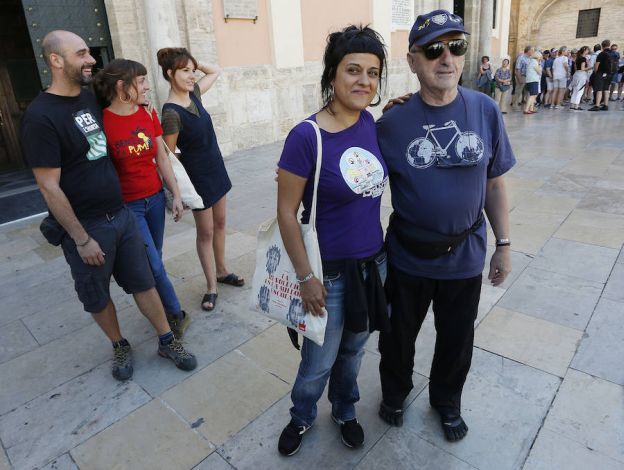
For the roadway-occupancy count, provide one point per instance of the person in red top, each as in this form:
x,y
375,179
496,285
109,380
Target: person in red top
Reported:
x,y
138,152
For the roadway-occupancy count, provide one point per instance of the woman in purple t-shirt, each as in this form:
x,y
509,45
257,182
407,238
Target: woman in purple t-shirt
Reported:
x,y
352,179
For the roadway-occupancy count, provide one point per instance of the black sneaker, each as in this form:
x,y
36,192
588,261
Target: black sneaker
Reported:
x,y
594,108
181,357
290,439
122,360
179,325
352,432
604,108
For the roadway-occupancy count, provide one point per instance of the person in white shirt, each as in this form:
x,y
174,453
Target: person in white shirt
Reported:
x,y
560,71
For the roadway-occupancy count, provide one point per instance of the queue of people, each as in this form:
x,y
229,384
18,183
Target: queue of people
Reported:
x,y
100,160
550,78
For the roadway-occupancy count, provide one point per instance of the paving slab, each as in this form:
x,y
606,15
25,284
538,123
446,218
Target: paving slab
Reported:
x,y
225,396
40,370
273,352
4,460
568,185
256,445
504,403
589,411
553,451
597,228
603,200
210,336
566,300
602,349
404,449
64,462
11,264
15,339
529,340
214,462
576,259
54,423
614,289
151,437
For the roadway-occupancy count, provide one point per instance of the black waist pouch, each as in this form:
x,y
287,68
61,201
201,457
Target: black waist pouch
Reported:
x,y
424,243
52,231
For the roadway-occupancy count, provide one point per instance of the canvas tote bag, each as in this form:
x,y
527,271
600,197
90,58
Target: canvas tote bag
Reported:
x,y
188,194
275,290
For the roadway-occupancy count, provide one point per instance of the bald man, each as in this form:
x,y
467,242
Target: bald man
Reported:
x,y
65,145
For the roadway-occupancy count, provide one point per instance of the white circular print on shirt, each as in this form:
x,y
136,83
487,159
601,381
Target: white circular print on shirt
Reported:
x,y
362,172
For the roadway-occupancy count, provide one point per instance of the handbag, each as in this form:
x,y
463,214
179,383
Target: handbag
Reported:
x,y
52,231
188,194
275,290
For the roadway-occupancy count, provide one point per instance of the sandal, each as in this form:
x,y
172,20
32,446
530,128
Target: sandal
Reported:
x,y
232,279
209,299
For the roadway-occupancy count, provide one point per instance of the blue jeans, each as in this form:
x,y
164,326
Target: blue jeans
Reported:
x,y
150,216
338,360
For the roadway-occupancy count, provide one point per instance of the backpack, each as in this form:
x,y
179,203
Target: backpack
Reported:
x,y
613,62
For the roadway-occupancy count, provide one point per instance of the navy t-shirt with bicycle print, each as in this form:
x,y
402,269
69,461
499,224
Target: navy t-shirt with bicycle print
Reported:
x,y
439,159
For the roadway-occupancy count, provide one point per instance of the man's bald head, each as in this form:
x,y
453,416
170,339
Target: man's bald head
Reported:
x,y
55,42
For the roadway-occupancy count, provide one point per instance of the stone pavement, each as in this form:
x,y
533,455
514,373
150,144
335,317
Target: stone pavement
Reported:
x,y
545,390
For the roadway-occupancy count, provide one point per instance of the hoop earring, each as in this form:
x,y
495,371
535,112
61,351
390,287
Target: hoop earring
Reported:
x,y
126,101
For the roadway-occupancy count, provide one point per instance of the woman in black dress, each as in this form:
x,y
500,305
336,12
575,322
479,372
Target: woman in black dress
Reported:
x,y
187,125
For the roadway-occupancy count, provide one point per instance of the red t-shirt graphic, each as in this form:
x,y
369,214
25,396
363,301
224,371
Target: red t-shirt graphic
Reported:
x,y
132,147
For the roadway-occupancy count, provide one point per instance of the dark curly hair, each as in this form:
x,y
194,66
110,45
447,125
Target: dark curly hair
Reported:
x,y
105,81
351,40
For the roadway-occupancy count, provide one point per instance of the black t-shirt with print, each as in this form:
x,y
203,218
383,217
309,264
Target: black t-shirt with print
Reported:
x,y
66,132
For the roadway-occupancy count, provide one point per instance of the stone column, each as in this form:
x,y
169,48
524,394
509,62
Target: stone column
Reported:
x,y
446,5
161,21
486,19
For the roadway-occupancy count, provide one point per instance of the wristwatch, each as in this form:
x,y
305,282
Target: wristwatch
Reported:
x,y
503,242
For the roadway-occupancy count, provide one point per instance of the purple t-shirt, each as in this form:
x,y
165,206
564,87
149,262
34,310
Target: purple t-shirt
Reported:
x,y
353,177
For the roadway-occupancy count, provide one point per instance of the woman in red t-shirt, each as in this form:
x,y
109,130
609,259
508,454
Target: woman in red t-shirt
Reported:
x,y
138,152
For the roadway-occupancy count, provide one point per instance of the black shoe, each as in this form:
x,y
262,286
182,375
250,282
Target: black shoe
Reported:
x,y
453,425
392,416
604,108
352,432
178,354
122,360
290,439
594,108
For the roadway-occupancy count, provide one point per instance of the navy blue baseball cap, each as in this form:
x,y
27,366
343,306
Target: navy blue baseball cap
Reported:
x,y
434,24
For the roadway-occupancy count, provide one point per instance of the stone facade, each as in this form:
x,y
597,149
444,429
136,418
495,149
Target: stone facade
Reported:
x,y
250,105
552,23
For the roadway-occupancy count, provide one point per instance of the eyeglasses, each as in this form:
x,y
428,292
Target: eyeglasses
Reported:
x,y
458,47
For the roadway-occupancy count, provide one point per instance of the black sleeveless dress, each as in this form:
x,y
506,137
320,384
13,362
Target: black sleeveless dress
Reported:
x,y
201,155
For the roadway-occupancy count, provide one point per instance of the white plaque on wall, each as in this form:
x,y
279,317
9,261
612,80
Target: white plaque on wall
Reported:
x,y
402,14
244,9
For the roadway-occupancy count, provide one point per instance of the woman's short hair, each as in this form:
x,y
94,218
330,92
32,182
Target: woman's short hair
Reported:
x,y
105,81
174,58
486,58
351,40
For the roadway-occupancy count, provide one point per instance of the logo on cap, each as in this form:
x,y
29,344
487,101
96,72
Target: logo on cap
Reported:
x,y
439,19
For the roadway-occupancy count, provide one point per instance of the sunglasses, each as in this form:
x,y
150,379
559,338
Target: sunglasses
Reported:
x,y
458,47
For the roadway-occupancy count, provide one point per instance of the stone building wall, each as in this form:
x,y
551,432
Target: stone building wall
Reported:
x,y
250,105
551,23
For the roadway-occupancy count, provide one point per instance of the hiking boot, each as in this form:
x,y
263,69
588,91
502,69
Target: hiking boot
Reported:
x,y
352,432
181,357
290,439
179,325
122,360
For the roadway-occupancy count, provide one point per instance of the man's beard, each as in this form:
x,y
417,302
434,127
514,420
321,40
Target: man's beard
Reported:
x,y
76,76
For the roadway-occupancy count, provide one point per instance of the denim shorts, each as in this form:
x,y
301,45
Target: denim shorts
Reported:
x,y
533,88
125,258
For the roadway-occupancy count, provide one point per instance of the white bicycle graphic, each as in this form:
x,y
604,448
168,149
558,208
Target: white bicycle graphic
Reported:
x,y
425,151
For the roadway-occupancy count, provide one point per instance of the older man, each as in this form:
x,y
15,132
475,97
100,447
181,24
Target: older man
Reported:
x,y
520,74
65,145
447,150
